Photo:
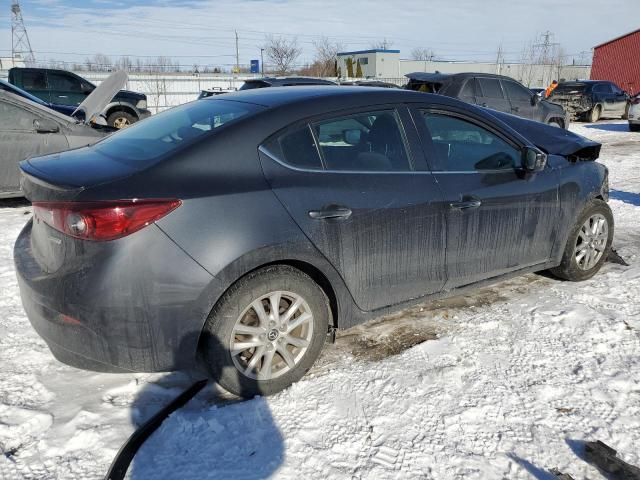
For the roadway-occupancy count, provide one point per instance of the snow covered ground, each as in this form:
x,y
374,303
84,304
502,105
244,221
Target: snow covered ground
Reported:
x,y
505,383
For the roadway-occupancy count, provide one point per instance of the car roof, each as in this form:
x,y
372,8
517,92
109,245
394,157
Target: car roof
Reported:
x,y
354,95
438,77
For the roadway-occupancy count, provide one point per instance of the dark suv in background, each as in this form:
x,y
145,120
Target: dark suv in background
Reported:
x,y
60,87
591,100
492,91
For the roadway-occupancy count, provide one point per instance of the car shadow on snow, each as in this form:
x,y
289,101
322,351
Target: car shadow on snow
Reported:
x,y
536,472
609,127
215,435
626,197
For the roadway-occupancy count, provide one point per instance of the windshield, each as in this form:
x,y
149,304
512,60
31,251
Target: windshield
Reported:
x,y
145,141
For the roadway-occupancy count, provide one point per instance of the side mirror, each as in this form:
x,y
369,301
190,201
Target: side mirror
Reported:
x,y
87,89
533,160
352,137
535,99
44,125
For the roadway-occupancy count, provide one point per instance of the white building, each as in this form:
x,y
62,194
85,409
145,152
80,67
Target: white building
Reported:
x,y
374,63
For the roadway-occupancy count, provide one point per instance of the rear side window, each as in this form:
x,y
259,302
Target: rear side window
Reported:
x,y
296,148
145,141
516,92
490,88
602,88
34,80
463,146
370,141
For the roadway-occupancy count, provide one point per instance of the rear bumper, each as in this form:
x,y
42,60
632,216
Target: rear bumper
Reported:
x,y
134,304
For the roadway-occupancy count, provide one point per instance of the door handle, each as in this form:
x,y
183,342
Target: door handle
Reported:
x,y
330,212
466,204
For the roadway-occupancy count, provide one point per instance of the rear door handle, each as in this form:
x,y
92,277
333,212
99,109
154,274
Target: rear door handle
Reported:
x,y
330,212
466,204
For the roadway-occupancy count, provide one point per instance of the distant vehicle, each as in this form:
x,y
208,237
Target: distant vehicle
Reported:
x,y
66,88
497,92
64,109
210,92
634,114
238,231
591,100
283,82
28,128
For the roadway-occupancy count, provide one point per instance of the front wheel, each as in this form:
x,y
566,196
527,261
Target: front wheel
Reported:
x,y
266,331
121,120
594,114
588,244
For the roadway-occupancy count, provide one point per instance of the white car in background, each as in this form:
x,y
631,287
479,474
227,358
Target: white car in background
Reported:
x,y
634,114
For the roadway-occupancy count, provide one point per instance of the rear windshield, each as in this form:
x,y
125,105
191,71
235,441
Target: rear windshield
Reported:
x,y
144,142
571,87
252,85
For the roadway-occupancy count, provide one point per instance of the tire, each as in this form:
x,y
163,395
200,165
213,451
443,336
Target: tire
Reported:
x,y
634,127
577,269
594,114
625,116
234,321
121,119
555,123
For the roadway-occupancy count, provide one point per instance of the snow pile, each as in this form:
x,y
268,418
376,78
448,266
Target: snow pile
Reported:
x,y
509,389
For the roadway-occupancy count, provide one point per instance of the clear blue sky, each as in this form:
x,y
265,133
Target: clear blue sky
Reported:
x,y
202,31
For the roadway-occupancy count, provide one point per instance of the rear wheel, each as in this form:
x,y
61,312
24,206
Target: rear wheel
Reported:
x,y
266,331
594,114
588,244
121,119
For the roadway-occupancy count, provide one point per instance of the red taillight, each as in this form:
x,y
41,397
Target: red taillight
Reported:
x,y
104,220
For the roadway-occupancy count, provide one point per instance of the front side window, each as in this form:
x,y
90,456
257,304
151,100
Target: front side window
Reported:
x,y
517,93
463,146
143,142
64,83
490,88
370,141
15,118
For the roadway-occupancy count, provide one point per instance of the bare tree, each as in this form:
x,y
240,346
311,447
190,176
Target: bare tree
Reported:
x,y
421,53
283,53
325,57
383,44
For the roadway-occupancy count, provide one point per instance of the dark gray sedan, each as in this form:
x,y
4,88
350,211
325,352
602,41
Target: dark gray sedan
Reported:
x,y
236,232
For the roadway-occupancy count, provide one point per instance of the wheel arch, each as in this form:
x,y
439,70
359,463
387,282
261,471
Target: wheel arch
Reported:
x,y
120,107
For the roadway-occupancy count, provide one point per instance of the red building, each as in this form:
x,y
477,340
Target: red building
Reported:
x,y
618,60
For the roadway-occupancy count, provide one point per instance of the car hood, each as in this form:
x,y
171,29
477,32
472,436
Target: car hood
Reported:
x,y
101,96
552,140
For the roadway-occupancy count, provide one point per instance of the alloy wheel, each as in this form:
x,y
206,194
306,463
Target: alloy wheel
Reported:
x,y
591,242
271,335
121,122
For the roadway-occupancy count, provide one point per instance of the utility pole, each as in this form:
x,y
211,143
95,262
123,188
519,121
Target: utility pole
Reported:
x,y
262,61
20,44
499,60
546,48
237,54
